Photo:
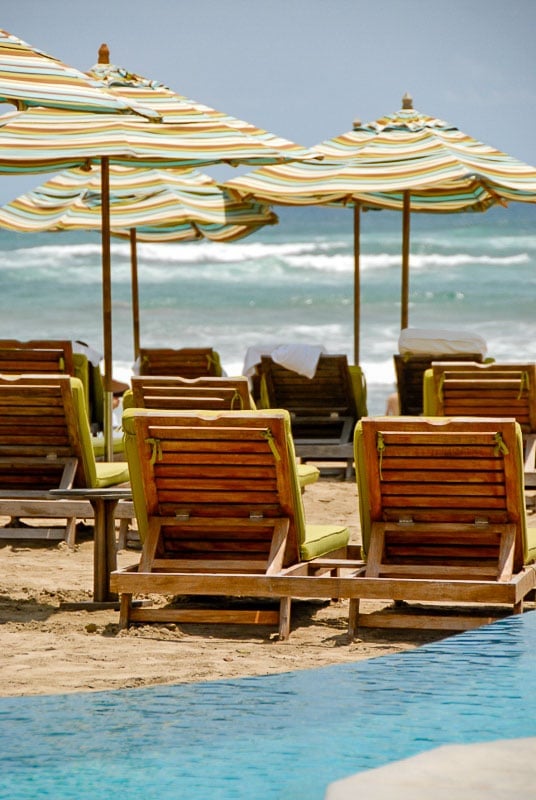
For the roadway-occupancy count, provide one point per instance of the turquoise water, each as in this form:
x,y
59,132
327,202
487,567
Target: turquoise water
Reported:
x,y
292,282
279,737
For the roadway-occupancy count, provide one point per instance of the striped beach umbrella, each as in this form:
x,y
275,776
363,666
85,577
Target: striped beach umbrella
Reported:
x,y
145,205
45,137
405,161
30,77
175,108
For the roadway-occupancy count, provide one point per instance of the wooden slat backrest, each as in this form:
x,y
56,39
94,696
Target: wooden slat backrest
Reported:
x,y
36,357
38,432
410,374
188,362
487,390
214,481
182,393
327,393
449,486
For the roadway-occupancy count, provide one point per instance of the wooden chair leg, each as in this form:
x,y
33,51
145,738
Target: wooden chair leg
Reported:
x,y
124,610
353,618
123,532
284,618
70,532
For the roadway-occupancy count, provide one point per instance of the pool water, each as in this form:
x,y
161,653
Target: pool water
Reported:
x,y
280,736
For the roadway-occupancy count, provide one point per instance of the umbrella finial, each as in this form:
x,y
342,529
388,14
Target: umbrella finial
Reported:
x,y
104,54
356,124
407,101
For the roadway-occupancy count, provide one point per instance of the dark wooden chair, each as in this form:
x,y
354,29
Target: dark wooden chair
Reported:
x,y
323,408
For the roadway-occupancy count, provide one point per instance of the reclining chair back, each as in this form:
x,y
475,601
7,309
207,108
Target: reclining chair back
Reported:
x,y
210,488
441,498
36,357
188,362
184,393
487,390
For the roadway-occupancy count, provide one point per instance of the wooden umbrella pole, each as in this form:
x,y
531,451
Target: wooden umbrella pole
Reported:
x,y
107,308
405,261
357,281
135,293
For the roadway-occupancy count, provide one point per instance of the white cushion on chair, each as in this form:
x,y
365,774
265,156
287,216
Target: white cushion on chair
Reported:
x,y
430,341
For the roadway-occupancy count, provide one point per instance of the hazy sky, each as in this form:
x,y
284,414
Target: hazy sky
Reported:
x,y
305,69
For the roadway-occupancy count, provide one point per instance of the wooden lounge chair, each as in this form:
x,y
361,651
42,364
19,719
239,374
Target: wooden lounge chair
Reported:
x,y
323,409
45,443
181,394
188,362
220,513
490,390
442,513
39,356
410,370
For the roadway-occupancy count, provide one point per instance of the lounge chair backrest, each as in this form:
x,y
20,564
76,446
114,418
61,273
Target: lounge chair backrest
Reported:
x,y
184,393
328,392
235,469
36,357
410,369
447,492
43,432
188,362
487,390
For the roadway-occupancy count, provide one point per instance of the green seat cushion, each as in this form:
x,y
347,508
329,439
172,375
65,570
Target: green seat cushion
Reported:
x,y
322,539
307,474
530,552
110,473
99,445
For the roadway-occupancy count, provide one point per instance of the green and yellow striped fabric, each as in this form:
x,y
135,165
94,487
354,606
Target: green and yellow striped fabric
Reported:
x,y
170,205
443,169
175,108
30,77
46,139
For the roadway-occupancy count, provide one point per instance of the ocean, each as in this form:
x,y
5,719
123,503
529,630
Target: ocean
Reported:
x,y
292,282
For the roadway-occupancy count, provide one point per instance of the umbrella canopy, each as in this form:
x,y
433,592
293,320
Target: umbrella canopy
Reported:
x,y
175,108
145,205
163,205
45,139
405,161
30,77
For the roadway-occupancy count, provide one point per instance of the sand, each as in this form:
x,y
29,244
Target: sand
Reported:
x,y
45,649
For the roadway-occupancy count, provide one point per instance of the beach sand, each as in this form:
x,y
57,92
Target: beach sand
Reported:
x,y
45,649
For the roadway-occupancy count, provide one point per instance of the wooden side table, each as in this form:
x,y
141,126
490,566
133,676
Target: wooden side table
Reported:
x,y
103,502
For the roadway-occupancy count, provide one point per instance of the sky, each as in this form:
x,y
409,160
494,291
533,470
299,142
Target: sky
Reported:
x,y
305,69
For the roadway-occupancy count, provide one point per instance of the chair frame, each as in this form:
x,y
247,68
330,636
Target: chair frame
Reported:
x,y
323,408
410,369
41,449
443,503
186,362
220,492
491,390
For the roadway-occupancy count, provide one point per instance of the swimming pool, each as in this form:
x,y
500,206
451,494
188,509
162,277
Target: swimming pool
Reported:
x,y
278,737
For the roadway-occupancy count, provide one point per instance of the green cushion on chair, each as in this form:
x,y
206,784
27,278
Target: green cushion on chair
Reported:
x,y
98,474
322,539
110,473
307,474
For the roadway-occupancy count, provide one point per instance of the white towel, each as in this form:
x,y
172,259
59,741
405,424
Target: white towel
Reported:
x,y
300,358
